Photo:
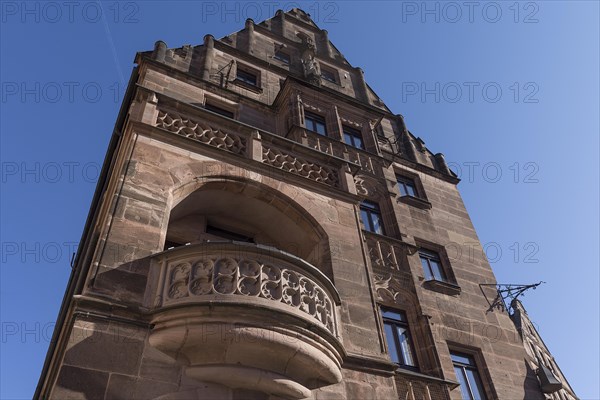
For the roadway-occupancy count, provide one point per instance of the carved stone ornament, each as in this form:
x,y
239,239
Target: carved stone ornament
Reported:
x,y
299,166
390,289
202,132
249,277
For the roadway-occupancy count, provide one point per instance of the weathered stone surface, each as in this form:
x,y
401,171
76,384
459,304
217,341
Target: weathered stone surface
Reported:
x,y
76,383
281,321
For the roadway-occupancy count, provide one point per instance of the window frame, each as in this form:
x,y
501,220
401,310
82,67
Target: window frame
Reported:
x,y
245,70
403,182
332,75
395,324
472,366
353,134
429,255
287,60
315,118
210,106
371,208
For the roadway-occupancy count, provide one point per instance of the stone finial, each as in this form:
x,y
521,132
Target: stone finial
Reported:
x,y
440,160
209,41
160,50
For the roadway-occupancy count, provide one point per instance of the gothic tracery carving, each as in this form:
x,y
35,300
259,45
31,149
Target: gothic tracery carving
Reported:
x,y
176,123
299,166
249,277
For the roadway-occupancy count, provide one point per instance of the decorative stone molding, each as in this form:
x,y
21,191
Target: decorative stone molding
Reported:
x,y
384,253
411,388
245,316
351,123
390,289
366,185
312,107
181,125
248,276
299,166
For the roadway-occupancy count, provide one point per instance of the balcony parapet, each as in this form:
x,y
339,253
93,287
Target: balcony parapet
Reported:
x,y
246,316
364,160
236,272
234,137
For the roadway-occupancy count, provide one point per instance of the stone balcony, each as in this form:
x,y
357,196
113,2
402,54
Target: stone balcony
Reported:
x,y
246,316
365,161
230,136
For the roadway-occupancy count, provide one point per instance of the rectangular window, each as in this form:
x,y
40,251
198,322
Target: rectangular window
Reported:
x,y
246,77
315,123
397,337
407,186
228,235
468,377
282,56
370,216
432,265
218,110
353,138
328,75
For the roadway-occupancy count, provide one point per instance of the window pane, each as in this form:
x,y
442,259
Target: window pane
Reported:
x,y
475,383
358,142
391,342
348,139
425,264
320,128
392,315
364,217
411,190
402,188
405,346
377,225
436,269
247,77
328,75
218,110
281,56
462,358
370,205
464,386
315,123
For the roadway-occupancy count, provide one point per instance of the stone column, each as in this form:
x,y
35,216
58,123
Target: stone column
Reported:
x,y
160,50
251,36
209,56
360,75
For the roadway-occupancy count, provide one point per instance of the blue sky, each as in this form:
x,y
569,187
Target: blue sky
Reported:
x,y
508,91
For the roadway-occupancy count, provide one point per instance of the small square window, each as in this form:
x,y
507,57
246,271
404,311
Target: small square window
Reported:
x,y
282,56
467,376
218,110
397,336
407,186
353,138
315,123
328,75
246,77
370,216
432,266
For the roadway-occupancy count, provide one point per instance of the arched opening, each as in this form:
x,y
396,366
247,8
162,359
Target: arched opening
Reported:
x,y
246,211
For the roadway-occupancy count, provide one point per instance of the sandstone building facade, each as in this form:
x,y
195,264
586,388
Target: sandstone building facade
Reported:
x,y
266,228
